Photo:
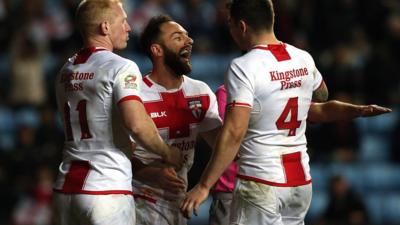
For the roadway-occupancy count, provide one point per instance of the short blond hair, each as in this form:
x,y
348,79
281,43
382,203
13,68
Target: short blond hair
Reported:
x,y
91,13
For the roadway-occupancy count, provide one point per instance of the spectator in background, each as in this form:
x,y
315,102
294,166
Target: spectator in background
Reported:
x,y
142,14
382,67
199,17
50,138
221,30
345,207
34,207
28,87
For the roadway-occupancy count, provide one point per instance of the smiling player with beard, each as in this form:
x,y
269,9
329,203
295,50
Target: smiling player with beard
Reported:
x,y
182,108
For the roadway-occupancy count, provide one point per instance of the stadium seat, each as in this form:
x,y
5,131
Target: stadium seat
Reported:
x,y
382,124
318,205
381,178
7,141
374,148
27,117
7,120
352,173
320,175
391,208
374,204
384,208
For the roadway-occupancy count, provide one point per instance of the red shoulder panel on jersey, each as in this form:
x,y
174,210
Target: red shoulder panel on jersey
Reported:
x,y
84,54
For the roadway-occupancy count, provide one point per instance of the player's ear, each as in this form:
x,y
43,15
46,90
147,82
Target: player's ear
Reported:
x,y
156,50
243,26
104,28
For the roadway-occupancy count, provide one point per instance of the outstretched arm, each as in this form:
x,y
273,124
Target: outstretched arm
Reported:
x,y
332,111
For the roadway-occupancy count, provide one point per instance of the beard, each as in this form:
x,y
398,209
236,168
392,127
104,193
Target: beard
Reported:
x,y
173,61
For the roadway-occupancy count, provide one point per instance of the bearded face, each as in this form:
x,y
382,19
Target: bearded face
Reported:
x,y
178,62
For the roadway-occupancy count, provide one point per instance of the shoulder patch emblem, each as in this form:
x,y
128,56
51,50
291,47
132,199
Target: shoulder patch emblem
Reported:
x,y
130,82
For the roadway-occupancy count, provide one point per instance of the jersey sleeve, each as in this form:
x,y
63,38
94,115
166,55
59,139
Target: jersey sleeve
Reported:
x,y
239,86
211,119
317,78
127,83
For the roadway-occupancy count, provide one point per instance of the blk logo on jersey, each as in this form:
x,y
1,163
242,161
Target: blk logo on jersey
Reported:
x,y
130,82
196,107
158,114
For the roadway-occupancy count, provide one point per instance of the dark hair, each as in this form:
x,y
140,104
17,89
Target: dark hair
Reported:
x,y
258,14
151,32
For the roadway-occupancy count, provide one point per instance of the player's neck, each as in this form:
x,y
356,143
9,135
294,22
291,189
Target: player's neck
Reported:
x,y
263,39
97,42
164,77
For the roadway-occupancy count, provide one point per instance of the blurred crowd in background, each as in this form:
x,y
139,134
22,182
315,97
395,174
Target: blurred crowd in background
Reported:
x,y
356,46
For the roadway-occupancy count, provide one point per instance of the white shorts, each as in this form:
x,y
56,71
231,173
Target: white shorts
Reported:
x,y
152,213
259,204
80,209
220,208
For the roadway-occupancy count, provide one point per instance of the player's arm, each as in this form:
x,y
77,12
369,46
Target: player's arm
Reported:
x,y
144,131
227,146
321,93
336,110
211,136
166,177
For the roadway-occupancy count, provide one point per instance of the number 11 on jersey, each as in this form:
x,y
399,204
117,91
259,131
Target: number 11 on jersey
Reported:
x,y
83,123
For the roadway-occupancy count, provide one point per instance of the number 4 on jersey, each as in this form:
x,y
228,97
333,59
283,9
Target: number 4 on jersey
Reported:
x,y
292,124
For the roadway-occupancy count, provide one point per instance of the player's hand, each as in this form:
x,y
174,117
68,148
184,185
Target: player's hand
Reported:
x,y
373,110
169,180
193,200
174,158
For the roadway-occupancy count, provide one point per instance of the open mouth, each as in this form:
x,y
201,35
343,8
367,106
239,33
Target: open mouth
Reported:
x,y
185,53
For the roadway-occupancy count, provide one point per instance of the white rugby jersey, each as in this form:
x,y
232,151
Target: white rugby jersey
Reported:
x,y
277,83
179,114
96,155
